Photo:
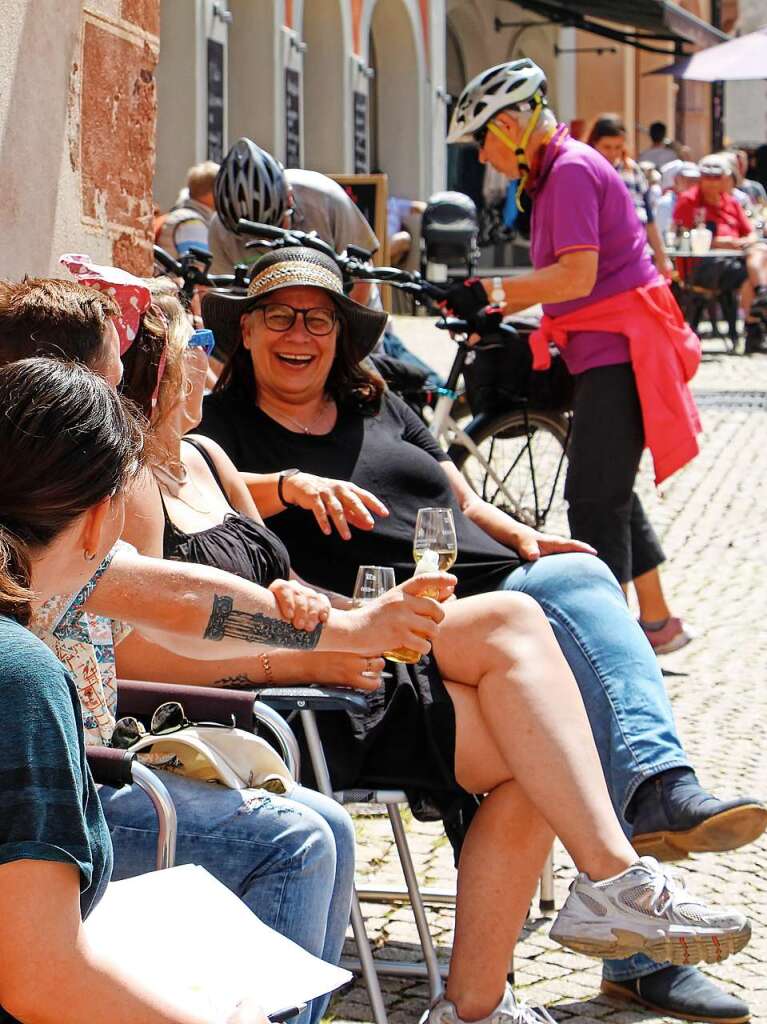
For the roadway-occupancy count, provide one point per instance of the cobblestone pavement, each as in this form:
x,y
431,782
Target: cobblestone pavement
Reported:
x,y
712,517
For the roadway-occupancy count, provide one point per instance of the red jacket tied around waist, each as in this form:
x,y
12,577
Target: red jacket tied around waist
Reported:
x,y
665,354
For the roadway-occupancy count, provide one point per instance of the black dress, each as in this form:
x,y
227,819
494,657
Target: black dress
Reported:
x,y
406,740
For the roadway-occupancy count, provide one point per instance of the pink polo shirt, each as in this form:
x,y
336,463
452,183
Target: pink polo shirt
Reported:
x,y
581,203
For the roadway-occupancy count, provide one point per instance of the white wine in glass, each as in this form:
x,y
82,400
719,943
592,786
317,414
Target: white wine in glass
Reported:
x,y
435,546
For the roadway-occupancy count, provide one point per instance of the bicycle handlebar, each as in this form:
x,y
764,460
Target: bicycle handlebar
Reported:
x,y
353,264
192,268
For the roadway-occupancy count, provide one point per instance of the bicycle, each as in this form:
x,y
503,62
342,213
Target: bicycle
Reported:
x,y
513,451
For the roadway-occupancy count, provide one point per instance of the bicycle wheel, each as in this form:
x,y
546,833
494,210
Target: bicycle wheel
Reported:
x,y
520,465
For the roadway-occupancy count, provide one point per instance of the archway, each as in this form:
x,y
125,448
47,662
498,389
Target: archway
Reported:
x,y
325,86
396,104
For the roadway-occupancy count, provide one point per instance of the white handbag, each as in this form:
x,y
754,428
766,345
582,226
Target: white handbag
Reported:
x,y
229,756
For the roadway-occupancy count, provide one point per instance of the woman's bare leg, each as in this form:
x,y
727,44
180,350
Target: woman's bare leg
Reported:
x,y
502,646
501,859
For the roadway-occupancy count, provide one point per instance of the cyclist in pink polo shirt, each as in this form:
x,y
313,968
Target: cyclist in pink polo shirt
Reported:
x,y
588,245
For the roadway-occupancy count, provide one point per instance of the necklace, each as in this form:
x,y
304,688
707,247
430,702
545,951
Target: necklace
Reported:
x,y
305,428
174,472
174,481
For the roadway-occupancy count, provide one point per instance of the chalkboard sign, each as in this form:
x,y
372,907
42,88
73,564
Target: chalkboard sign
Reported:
x,y
360,133
369,192
215,100
292,118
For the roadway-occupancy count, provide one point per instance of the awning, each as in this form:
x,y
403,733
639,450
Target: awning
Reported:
x,y
742,59
653,21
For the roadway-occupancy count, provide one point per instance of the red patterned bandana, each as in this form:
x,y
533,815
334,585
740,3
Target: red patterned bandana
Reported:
x,y
129,292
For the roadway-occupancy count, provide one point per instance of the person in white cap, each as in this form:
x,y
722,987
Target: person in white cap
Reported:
x,y
676,176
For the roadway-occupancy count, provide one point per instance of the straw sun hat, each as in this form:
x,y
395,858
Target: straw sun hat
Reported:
x,y
288,268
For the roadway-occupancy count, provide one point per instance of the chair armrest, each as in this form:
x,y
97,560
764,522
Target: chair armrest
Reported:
x,y
312,698
201,703
110,767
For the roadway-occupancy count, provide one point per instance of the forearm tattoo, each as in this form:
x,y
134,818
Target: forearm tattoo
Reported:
x,y
237,682
255,628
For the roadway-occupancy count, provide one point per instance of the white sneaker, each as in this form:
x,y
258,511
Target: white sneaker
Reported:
x,y
508,1011
645,910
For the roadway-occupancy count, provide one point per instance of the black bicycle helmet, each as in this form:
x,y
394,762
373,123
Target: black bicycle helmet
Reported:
x,y
250,184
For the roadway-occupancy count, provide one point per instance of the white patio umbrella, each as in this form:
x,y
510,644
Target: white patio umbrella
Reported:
x,y
741,59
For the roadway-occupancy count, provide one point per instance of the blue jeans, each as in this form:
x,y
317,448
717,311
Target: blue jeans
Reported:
x,y
290,859
619,679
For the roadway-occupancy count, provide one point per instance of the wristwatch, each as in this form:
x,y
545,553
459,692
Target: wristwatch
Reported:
x,y
281,480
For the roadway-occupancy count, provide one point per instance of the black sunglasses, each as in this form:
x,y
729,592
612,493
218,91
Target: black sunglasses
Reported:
x,y
167,719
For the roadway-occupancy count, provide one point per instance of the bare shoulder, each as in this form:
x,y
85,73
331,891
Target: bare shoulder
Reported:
x,y
144,518
226,468
236,491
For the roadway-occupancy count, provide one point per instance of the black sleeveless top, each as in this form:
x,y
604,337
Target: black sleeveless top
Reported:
x,y
239,545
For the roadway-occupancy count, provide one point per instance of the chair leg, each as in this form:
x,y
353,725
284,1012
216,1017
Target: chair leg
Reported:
x,y
416,903
547,883
367,964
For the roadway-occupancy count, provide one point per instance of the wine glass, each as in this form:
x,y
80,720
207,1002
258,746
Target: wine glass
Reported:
x,y
435,532
371,582
435,546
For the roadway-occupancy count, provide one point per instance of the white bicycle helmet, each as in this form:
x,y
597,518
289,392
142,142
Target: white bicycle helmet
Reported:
x,y
514,84
250,184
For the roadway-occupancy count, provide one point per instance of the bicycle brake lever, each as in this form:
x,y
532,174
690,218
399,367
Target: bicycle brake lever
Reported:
x,y
453,324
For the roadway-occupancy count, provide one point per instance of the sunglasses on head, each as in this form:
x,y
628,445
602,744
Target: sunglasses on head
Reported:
x,y
204,339
167,719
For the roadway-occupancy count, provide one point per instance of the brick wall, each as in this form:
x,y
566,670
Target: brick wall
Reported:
x,y
77,121
117,106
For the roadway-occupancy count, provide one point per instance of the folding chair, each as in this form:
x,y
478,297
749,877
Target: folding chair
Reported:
x,y
263,709
118,768
307,702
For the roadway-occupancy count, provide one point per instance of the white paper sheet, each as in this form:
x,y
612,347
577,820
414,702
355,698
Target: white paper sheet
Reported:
x,y
186,936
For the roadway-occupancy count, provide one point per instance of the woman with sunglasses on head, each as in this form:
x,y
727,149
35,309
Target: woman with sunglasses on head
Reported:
x,y
69,447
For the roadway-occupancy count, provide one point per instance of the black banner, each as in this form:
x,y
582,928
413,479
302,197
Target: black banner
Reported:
x,y
292,118
215,100
360,115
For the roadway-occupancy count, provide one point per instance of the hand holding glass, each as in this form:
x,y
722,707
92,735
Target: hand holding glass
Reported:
x,y
435,546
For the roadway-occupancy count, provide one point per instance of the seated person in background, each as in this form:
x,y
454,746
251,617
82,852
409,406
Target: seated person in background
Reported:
x,y
69,448
677,176
709,203
735,179
398,214
187,223
661,150
755,190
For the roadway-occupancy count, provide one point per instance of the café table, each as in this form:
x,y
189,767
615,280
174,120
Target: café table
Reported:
x,y
695,301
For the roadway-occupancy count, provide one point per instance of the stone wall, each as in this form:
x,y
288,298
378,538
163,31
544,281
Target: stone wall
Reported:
x,y
77,122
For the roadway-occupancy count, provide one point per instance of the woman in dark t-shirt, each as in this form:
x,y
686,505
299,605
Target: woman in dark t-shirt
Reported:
x,y
69,447
481,708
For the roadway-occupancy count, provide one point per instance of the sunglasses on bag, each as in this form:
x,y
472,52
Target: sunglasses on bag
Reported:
x,y
167,719
202,338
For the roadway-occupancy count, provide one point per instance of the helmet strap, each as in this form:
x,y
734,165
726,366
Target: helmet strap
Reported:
x,y
520,148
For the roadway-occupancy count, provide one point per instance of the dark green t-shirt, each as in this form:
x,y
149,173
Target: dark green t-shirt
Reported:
x,y
49,807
